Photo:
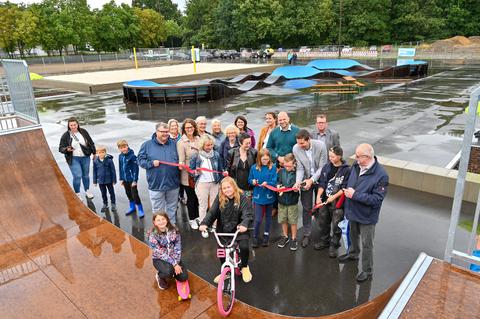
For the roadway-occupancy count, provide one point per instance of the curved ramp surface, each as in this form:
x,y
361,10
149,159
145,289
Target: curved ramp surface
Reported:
x,y
58,259
342,64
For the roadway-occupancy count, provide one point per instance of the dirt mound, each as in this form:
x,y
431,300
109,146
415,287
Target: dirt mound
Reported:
x,y
457,41
475,39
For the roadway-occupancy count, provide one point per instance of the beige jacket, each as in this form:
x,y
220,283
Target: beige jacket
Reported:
x,y
186,150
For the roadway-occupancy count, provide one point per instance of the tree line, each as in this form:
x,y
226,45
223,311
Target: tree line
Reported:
x,y
58,24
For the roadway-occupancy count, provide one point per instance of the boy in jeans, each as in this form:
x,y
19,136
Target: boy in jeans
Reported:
x,y
128,168
288,202
104,175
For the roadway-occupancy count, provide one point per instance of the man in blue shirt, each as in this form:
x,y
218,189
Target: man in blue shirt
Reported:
x,y
366,189
163,180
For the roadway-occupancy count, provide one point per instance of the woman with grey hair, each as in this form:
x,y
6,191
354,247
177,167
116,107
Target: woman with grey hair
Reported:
x,y
217,133
206,183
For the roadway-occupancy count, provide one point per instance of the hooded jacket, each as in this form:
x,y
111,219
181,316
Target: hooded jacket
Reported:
x,y
128,166
337,183
262,195
104,171
164,177
370,190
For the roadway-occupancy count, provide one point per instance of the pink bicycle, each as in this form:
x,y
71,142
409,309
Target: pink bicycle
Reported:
x,y
226,284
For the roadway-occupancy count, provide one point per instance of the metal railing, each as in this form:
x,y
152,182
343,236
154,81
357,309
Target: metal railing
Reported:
x,y
450,252
18,110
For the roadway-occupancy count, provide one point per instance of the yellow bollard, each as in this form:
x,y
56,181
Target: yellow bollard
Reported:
x,y
193,59
135,58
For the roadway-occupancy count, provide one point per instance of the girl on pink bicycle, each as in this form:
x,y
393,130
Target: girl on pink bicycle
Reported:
x,y
164,239
232,209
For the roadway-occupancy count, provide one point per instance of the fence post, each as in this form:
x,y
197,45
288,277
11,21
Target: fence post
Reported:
x,y
116,57
64,66
44,67
100,57
83,61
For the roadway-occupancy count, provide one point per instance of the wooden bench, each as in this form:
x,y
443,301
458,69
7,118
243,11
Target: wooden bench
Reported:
x,y
334,88
392,81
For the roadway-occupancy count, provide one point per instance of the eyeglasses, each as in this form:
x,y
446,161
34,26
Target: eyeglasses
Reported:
x,y
162,132
188,127
361,156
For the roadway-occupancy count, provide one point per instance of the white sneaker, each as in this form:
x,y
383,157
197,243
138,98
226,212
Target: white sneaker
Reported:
x,y
80,197
205,234
193,224
89,194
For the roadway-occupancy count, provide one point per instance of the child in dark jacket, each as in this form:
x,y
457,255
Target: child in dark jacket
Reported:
x,y
262,174
288,202
332,181
128,171
104,175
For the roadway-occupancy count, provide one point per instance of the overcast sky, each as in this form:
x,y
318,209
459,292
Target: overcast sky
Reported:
x,y
99,3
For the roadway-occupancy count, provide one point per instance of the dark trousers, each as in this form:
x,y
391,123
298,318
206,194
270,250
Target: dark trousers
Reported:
x,y
132,193
244,251
192,202
166,271
181,192
368,233
328,219
111,191
260,211
306,197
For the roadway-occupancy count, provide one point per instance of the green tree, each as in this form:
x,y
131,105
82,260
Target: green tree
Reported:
x,y
26,31
461,17
115,27
366,22
174,33
153,30
166,8
199,22
9,14
415,20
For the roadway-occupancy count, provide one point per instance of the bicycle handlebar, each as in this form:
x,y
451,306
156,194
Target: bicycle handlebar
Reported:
x,y
218,235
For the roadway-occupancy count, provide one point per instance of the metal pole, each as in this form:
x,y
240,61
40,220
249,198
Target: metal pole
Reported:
x,y
462,172
473,233
340,31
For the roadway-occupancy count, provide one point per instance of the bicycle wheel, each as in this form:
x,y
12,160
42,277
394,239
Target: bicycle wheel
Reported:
x,y
225,293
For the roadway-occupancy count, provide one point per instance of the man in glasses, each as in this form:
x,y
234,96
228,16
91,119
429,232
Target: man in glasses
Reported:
x,y
327,135
366,189
163,180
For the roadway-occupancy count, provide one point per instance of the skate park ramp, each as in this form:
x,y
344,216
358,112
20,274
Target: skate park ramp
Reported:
x,y
58,259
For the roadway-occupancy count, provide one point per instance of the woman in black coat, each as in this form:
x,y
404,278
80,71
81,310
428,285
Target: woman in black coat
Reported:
x,y
78,146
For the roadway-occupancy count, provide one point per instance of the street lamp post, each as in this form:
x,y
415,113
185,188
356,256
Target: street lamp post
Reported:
x,y
340,31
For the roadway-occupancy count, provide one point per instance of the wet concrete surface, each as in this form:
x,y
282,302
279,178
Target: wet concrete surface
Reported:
x,y
423,123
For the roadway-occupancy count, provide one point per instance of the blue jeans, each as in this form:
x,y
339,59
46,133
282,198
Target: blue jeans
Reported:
x,y
80,169
259,210
111,191
166,201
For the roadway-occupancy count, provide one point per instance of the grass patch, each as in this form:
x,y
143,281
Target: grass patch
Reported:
x,y
468,225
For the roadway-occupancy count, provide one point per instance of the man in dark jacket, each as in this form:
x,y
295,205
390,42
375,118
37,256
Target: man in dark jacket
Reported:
x,y
366,189
163,180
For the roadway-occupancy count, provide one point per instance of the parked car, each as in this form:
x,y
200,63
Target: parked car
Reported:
x,y
347,49
231,54
218,54
387,48
372,48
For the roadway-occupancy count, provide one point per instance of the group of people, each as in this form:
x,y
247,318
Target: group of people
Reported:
x,y
231,180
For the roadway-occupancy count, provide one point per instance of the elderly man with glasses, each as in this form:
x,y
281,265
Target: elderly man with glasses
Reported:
x,y
163,180
366,189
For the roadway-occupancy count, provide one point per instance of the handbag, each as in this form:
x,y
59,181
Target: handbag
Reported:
x,y
191,181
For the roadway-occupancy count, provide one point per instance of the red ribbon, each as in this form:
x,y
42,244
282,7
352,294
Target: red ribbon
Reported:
x,y
279,190
337,205
188,169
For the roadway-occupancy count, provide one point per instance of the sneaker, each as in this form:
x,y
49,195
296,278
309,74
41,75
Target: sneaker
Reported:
x,y
293,245
205,234
254,242
265,241
104,208
162,283
320,246
114,207
283,242
217,278
89,194
193,224
80,197
305,241
183,201
332,252
246,274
